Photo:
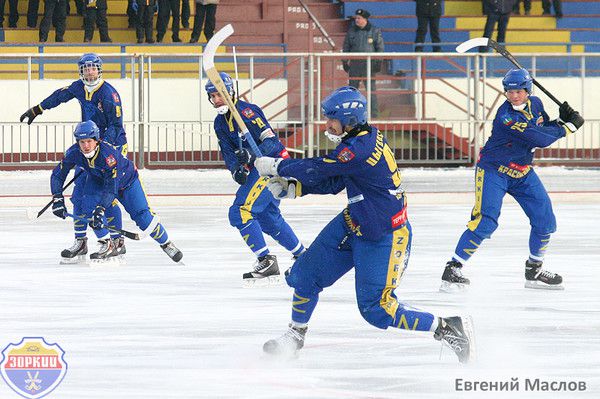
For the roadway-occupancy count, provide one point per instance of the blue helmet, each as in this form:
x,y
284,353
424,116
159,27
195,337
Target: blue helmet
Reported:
x,y
90,63
347,105
517,79
87,130
210,87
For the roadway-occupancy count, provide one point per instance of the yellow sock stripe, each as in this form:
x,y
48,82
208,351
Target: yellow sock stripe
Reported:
x,y
301,301
403,324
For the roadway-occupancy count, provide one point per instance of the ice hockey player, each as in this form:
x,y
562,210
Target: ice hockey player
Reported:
x,y
372,234
100,102
254,211
109,176
505,167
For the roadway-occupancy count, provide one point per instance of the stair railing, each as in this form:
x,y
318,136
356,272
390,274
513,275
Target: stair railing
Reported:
x,y
318,24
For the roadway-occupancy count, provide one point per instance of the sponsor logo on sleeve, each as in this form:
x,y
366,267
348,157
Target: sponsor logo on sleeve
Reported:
x,y
248,113
111,161
115,97
345,155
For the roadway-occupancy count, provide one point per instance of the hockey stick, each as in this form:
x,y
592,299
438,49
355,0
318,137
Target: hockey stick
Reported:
x,y
486,42
208,63
237,89
30,213
128,234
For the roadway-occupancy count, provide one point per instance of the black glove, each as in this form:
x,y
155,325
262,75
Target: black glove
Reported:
x,y
31,113
346,65
570,118
240,174
58,206
565,110
245,157
97,220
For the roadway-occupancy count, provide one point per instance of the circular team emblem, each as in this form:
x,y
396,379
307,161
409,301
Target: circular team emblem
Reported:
x,y
33,368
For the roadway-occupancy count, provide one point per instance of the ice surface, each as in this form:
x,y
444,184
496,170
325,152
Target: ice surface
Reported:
x,y
154,329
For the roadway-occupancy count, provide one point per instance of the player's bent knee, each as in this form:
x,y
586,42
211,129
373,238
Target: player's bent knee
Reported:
x,y
235,218
375,316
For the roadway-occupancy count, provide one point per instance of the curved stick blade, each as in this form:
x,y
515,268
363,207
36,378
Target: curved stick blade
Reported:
x,y
472,43
213,44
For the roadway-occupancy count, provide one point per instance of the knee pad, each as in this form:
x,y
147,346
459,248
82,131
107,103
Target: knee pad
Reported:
x,y
485,228
235,217
375,315
302,281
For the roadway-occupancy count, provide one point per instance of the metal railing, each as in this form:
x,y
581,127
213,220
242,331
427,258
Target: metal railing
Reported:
x,y
437,111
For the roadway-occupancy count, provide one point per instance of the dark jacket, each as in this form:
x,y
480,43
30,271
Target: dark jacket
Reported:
x,y
429,8
497,6
367,40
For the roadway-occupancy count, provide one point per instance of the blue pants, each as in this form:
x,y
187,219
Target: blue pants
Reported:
x,y
490,189
113,213
133,199
255,211
378,265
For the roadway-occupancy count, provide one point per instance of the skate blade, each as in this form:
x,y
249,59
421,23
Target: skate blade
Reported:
x,y
452,288
467,322
538,285
112,261
262,282
77,260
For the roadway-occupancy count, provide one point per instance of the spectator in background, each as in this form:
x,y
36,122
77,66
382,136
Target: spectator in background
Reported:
x,y
131,14
13,13
206,11
185,14
557,8
95,14
167,8
363,37
497,11
526,7
428,13
55,12
144,10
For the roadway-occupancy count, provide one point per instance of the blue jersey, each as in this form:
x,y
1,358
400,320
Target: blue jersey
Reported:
x,y
516,135
108,166
227,132
365,166
102,105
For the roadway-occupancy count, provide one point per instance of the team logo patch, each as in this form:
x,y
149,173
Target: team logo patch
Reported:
x,y
115,97
111,161
507,120
345,155
33,368
100,106
248,113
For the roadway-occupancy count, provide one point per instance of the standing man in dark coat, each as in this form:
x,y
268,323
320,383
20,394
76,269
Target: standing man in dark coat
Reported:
x,y
55,11
428,12
497,11
363,37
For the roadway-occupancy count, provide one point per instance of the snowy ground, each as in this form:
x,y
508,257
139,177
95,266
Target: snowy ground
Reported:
x,y
153,329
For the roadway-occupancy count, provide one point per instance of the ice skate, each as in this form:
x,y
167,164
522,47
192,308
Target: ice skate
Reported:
x,y
119,244
266,272
171,250
76,253
538,278
457,333
106,254
288,344
453,279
